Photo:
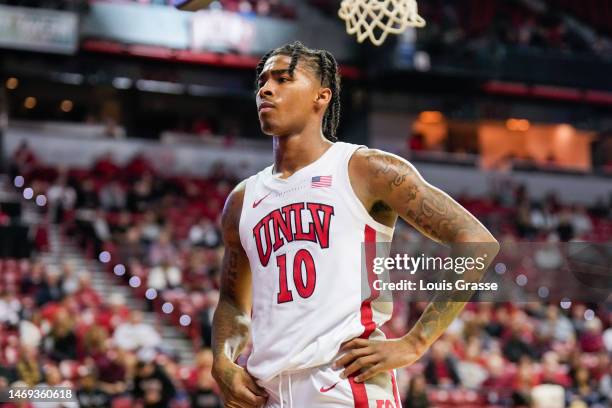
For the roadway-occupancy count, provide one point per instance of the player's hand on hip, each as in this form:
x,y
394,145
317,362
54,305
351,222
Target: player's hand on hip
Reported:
x,y
366,358
239,389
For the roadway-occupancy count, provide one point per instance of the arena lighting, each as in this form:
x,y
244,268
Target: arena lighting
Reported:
x,y
28,193
543,292
19,181
431,117
104,257
122,83
68,78
565,303
500,268
151,294
119,270
565,131
589,314
160,86
66,105
134,282
167,308
12,83
185,320
41,200
518,125
30,102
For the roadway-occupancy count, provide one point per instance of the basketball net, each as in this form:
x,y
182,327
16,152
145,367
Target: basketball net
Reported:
x,y
376,19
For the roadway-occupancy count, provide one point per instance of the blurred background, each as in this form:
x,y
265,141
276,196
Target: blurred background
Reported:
x,y
124,126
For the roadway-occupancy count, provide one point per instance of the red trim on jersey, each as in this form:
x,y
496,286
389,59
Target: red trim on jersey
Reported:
x,y
395,395
366,306
360,395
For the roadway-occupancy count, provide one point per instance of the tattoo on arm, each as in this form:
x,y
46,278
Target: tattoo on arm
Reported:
x,y
439,217
231,322
427,208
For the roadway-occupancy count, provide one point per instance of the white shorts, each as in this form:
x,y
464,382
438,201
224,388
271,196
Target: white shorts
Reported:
x,y
322,387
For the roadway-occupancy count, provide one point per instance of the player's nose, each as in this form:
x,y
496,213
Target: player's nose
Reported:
x,y
266,90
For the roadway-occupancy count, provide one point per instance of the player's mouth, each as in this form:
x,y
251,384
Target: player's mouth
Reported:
x,y
266,107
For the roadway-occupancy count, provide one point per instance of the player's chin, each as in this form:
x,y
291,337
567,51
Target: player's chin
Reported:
x,y
269,128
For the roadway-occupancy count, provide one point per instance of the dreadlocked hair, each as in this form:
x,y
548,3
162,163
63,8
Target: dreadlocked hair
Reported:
x,y
324,65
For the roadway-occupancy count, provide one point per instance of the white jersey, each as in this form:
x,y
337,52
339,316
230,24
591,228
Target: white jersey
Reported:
x,y
303,236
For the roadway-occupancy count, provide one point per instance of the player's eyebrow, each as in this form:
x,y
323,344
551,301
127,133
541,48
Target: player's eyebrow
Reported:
x,y
273,72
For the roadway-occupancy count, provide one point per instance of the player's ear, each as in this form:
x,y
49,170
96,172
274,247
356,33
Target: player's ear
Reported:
x,y
323,98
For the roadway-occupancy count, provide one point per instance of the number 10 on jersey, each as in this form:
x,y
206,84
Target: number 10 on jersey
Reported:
x,y
304,287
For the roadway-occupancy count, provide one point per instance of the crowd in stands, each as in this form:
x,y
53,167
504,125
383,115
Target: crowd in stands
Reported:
x,y
262,8
164,230
56,330
496,25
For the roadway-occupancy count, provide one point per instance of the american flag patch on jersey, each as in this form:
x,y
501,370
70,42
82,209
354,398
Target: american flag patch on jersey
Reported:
x,y
321,181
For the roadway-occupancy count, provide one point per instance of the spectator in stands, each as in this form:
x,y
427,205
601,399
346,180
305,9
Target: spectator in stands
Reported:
x,y
10,307
584,388
61,196
565,227
204,234
135,334
28,367
591,340
581,221
518,343
53,378
605,385
89,394
523,383
552,371
162,250
166,275
542,217
23,160
152,385
441,368
113,313
556,326
70,281
112,196
140,195
205,392
417,393
110,363
50,290
86,194
150,228
86,295
60,344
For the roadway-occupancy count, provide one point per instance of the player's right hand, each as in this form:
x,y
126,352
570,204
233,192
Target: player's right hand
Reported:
x,y
237,386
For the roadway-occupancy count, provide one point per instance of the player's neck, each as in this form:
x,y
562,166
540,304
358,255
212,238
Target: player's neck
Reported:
x,y
293,152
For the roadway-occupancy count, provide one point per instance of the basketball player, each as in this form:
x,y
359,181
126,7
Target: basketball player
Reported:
x,y
293,235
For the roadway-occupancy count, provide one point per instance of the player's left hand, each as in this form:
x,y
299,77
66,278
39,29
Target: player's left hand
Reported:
x,y
370,357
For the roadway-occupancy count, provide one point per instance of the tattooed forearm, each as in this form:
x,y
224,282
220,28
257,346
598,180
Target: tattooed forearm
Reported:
x,y
229,266
231,322
398,184
427,208
446,305
230,330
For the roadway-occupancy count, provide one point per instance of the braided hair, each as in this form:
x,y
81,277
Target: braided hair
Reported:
x,y
324,65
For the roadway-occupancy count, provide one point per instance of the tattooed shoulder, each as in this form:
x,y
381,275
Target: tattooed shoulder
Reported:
x,y
384,172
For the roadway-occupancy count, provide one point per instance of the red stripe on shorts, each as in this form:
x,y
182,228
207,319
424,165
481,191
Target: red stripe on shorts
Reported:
x,y
366,306
394,385
360,395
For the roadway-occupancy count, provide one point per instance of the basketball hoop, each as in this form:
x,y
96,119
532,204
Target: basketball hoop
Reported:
x,y
376,19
